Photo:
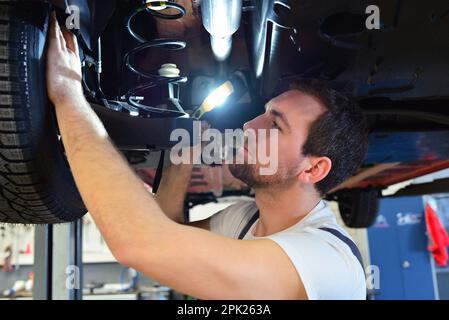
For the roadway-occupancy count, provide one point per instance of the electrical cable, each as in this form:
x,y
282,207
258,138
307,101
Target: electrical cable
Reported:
x,y
159,171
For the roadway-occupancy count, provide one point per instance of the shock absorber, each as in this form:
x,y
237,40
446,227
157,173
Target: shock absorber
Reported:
x,y
167,76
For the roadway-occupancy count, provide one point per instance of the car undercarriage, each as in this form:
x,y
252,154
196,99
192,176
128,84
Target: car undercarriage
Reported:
x,y
148,66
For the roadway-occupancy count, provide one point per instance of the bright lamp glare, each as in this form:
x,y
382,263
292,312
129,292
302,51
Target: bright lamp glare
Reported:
x,y
221,47
218,97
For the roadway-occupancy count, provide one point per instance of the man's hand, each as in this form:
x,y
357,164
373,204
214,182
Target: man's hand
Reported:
x,y
63,65
176,181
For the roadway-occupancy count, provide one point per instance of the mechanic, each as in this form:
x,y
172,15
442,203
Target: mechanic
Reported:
x,y
296,249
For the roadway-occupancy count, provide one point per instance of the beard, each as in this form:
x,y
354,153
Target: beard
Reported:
x,y
250,174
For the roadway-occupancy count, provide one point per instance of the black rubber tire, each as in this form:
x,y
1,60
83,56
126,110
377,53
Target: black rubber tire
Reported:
x,y
36,185
359,207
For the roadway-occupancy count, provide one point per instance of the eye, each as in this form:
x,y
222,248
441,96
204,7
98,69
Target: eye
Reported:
x,y
274,125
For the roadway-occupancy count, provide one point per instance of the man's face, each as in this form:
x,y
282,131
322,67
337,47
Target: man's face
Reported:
x,y
291,114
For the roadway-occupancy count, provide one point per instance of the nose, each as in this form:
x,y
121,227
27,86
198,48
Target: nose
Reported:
x,y
253,124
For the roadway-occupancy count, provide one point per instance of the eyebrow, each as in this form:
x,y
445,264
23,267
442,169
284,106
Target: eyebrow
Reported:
x,y
277,114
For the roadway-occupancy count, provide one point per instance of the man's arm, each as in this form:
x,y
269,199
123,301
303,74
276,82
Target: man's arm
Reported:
x,y
172,192
138,233
173,189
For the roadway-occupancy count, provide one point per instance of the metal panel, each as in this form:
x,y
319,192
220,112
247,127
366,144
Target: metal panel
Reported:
x,y
43,235
388,147
58,262
61,258
67,262
130,132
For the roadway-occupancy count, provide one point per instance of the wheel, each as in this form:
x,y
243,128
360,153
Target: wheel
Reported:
x,y
359,207
36,185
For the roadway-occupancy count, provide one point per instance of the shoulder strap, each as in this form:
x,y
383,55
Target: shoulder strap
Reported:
x,y
248,225
348,242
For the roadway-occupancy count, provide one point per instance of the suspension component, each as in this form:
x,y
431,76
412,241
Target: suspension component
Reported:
x,y
169,74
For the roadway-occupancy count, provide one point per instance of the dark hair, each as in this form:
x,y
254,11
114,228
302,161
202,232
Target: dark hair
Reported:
x,y
340,133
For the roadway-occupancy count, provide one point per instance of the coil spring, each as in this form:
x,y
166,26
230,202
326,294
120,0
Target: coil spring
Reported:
x,y
153,80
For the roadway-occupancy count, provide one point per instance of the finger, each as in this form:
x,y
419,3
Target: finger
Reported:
x,y
53,30
205,125
62,40
58,32
71,41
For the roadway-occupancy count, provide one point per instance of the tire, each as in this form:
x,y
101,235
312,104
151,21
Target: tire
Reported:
x,y
36,185
359,207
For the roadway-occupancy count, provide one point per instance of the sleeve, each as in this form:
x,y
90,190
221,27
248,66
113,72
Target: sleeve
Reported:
x,y
229,221
217,221
327,271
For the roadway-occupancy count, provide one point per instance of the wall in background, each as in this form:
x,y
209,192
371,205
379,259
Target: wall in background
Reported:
x,y
398,246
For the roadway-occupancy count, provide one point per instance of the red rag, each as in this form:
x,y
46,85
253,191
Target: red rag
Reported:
x,y
438,237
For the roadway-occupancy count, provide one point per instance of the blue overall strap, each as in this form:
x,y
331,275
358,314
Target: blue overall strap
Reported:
x,y
249,225
348,242
334,232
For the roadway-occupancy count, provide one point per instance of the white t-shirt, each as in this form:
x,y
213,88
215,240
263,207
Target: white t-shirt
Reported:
x,y
328,268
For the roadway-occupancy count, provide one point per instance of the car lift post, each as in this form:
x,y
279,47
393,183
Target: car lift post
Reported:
x,y
58,265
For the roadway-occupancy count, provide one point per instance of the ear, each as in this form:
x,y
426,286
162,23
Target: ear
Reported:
x,y
317,169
